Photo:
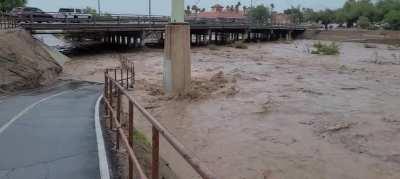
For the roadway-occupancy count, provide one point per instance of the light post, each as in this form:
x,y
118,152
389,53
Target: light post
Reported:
x,y
149,8
98,7
177,63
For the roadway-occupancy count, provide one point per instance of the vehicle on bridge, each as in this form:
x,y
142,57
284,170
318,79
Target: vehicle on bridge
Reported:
x,y
31,14
72,15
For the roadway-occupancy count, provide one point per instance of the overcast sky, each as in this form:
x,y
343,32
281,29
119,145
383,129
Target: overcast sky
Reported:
x,y
162,7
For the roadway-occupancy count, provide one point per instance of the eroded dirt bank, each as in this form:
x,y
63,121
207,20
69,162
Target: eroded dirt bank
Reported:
x,y
356,35
24,62
275,111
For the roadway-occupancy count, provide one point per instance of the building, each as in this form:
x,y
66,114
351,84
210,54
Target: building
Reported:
x,y
219,12
281,18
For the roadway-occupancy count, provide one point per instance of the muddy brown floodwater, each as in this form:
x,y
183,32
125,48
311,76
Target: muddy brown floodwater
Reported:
x,y
275,111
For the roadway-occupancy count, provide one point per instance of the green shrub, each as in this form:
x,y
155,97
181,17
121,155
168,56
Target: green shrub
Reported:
x,y
325,49
363,22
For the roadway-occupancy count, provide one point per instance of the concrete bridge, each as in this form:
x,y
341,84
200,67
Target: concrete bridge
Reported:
x,y
130,31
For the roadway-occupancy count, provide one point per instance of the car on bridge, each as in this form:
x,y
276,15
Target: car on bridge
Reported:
x,y
30,14
72,15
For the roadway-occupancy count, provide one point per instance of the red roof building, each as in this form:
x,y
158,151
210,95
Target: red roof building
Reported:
x,y
219,12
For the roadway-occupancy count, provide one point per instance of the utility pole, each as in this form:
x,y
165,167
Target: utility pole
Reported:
x,y
149,8
98,7
177,63
251,4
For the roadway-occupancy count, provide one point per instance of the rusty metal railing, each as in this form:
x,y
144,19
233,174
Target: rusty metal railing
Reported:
x,y
117,81
7,22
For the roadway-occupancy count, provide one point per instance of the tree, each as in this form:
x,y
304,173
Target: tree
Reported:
x,y
326,17
8,5
195,9
393,18
295,13
89,10
340,17
363,22
309,15
237,6
188,10
259,14
353,10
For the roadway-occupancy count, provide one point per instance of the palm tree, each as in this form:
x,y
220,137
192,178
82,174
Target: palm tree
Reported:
x,y
237,6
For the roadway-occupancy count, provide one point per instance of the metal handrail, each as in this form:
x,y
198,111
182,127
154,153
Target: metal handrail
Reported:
x,y
113,86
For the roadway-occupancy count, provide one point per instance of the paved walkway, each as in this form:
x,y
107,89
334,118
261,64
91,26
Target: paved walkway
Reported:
x,y
50,134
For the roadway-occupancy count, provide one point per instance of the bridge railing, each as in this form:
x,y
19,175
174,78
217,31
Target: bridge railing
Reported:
x,y
55,17
117,81
7,22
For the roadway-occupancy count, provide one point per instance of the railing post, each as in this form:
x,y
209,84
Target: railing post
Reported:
x,y
122,76
132,75
105,91
127,77
155,155
115,76
131,128
110,95
118,113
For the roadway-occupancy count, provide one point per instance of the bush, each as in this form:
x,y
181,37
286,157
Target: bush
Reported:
x,y
363,22
325,49
240,45
393,19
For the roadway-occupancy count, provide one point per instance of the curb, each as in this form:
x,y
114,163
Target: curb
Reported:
x,y
103,163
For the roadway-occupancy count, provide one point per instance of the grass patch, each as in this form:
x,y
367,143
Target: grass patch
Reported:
x,y
141,139
143,150
326,49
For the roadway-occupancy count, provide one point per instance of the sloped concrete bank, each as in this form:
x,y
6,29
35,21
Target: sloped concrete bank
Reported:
x,y
26,63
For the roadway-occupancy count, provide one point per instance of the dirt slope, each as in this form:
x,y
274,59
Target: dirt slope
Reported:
x,y
24,63
355,35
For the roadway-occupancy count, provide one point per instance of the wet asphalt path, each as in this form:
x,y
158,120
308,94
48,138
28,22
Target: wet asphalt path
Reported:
x,y
50,133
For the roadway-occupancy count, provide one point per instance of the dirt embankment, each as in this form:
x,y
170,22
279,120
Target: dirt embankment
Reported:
x,y
355,35
24,62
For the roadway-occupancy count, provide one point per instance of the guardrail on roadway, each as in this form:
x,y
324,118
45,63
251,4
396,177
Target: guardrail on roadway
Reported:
x,y
116,82
7,22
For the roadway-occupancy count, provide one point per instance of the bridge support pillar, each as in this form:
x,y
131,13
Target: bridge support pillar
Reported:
x,y
177,63
289,35
142,36
209,33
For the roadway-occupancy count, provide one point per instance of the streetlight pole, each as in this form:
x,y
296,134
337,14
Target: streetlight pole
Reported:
x,y
98,7
149,8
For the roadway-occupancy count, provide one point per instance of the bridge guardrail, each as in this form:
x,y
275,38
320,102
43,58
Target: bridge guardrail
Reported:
x,y
116,82
143,19
7,22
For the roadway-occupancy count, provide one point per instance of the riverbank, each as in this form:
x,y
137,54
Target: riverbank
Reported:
x,y
356,35
275,110
25,63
